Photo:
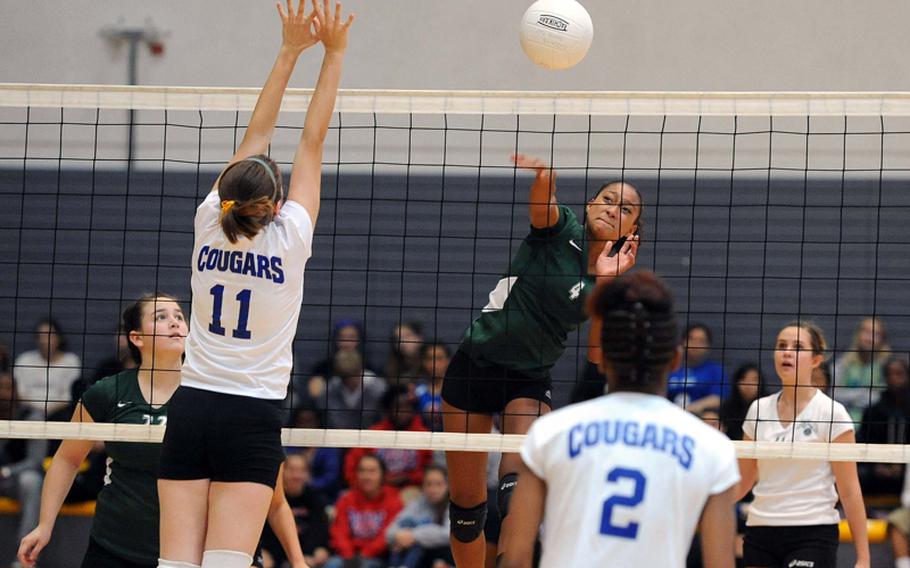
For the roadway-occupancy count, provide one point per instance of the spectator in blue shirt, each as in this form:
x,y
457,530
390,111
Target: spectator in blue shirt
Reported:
x,y
435,357
698,383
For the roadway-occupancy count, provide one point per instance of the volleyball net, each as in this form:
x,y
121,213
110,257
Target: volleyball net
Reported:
x,y
759,208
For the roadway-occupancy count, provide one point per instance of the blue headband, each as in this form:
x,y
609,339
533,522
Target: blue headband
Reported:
x,y
268,168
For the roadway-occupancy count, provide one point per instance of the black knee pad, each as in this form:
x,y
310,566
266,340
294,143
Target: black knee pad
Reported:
x,y
467,524
507,485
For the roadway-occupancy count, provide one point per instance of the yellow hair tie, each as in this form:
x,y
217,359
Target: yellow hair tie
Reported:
x,y
226,206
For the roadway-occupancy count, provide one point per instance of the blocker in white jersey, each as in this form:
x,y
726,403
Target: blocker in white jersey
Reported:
x,y
627,477
222,447
246,302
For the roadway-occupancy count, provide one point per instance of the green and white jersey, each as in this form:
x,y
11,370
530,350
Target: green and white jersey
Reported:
x,y
535,305
126,518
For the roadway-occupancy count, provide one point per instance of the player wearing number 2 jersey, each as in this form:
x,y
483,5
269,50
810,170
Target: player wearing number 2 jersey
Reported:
x,y
222,448
623,480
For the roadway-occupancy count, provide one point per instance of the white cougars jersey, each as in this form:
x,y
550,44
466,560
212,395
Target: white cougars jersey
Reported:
x,y
627,476
246,302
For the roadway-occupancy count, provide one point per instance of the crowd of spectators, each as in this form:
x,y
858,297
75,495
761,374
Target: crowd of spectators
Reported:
x,y
381,507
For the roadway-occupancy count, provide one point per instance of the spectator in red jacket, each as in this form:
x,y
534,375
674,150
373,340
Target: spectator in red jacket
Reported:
x,y
362,516
404,468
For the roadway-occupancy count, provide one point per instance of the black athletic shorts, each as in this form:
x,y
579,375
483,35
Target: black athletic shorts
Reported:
x,y
813,546
96,556
222,437
489,388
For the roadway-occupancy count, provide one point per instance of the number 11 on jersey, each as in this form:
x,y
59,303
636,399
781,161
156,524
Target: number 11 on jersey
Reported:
x,y
243,317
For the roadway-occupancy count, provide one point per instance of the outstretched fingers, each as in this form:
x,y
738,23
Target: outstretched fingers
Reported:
x,y
526,162
312,21
347,23
339,25
334,27
316,15
303,13
329,16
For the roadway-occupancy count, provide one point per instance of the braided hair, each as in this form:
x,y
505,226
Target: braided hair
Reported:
x,y
640,335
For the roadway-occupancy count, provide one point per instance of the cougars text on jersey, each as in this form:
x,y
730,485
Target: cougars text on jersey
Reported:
x,y
632,433
240,262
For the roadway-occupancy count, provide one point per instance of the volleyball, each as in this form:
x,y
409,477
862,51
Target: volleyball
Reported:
x,y
556,34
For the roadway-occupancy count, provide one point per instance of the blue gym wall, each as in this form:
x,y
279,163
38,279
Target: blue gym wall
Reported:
x,y
743,255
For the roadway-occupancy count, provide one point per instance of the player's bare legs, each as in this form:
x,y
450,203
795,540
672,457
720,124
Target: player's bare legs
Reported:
x,y
237,513
467,480
517,419
184,514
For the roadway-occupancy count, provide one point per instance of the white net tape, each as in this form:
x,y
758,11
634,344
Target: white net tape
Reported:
x,y
466,102
299,437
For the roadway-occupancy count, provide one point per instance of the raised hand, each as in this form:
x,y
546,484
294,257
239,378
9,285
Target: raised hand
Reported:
x,y
333,30
298,30
612,266
543,211
525,162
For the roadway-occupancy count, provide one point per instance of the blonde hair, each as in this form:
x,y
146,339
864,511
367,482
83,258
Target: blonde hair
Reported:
x,y
855,355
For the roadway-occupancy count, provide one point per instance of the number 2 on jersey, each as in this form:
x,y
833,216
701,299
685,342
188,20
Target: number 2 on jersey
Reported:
x,y
606,521
243,317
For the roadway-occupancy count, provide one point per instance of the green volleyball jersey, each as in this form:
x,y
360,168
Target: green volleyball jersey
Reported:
x,y
126,518
525,324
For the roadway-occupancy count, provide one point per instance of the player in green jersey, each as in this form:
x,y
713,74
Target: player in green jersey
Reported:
x,y
125,529
504,361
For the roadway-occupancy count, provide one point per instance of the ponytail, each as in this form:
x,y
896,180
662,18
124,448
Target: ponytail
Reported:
x,y
246,219
249,190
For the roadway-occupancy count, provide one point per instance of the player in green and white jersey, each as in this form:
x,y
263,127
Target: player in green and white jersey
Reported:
x,y
504,361
125,529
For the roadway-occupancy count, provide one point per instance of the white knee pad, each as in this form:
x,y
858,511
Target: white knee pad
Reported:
x,y
226,559
162,563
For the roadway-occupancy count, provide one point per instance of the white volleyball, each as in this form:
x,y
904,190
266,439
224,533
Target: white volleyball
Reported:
x,y
556,34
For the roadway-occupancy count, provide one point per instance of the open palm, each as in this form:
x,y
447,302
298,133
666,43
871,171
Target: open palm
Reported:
x,y
298,29
613,266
